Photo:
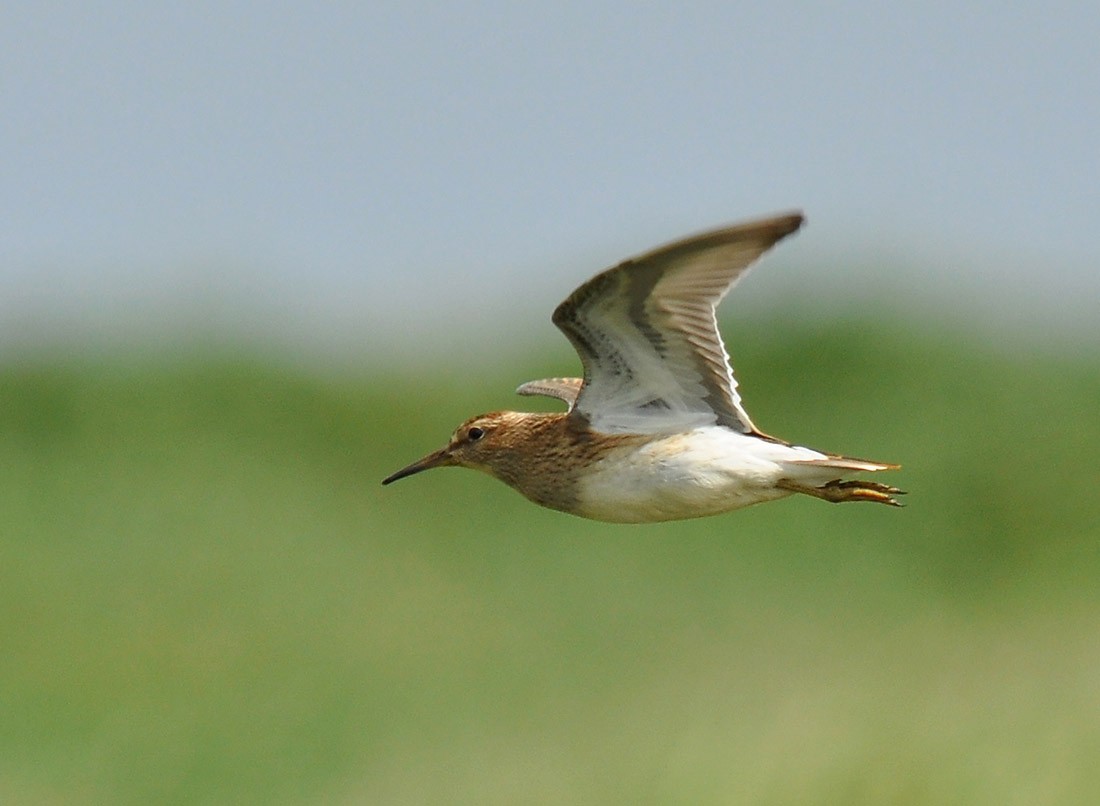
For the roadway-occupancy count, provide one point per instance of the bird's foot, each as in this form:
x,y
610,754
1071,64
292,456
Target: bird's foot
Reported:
x,y
840,491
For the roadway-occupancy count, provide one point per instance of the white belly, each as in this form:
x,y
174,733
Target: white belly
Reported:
x,y
702,472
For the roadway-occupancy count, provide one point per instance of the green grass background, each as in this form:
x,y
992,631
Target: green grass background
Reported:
x,y
208,598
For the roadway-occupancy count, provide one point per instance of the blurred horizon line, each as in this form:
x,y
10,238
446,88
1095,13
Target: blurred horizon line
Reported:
x,y
226,309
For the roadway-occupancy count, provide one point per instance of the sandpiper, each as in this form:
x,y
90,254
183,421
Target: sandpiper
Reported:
x,y
655,431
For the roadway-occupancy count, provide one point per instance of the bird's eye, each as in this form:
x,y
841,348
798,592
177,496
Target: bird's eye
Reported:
x,y
475,433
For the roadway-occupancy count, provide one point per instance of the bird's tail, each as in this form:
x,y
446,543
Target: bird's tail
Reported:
x,y
837,490
846,463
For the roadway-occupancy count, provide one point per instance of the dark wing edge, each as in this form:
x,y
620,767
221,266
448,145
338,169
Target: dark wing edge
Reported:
x,y
769,229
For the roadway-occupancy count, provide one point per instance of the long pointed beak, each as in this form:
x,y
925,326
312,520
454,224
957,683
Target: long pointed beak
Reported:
x,y
439,458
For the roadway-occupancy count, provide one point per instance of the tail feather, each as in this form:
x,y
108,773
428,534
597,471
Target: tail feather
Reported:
x,y
846,463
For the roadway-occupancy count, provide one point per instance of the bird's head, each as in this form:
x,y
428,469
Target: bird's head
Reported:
x,y
473,444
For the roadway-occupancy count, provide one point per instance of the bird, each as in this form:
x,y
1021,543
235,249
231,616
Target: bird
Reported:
x,y
655,430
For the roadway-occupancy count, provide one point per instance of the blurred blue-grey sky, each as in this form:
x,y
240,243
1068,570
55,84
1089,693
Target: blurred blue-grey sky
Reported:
x,y
341,172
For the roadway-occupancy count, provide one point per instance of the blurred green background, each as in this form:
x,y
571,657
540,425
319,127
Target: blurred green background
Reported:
x,y
209,598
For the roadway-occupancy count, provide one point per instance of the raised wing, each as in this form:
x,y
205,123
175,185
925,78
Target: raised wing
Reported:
x,y
565,389
648,338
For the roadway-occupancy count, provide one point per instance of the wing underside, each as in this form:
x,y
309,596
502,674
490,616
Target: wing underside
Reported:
x,y
648,338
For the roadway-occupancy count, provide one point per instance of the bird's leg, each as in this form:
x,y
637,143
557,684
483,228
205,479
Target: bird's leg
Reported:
x,y
838,491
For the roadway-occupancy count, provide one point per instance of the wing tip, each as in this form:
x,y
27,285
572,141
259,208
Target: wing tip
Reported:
x,y
781,224
566,389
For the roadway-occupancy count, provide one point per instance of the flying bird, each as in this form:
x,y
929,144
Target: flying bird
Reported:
x,y
655,430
